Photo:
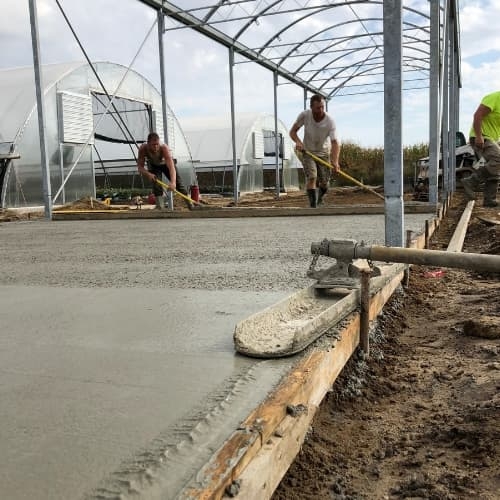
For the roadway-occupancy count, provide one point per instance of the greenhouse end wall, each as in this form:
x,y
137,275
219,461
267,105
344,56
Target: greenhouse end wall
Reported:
x,y
23,181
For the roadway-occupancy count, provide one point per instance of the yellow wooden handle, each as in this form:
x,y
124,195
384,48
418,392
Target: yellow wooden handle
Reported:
x,y
343,174
167,186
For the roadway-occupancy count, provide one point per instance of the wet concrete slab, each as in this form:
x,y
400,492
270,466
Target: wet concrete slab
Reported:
x,y
117,369
90,377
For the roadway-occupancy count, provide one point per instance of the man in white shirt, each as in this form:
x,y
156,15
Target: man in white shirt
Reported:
x,y
320,138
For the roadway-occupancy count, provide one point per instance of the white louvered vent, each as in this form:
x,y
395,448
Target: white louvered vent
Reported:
x,y
287,150
258,144
75,118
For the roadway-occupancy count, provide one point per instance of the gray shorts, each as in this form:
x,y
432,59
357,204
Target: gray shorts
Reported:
x,y
315,170
491,153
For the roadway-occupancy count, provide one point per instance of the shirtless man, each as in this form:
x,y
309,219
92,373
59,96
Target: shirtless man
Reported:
x,y
159,161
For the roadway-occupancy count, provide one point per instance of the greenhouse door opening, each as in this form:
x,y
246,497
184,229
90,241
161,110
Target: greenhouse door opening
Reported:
x,y
124,126
269,160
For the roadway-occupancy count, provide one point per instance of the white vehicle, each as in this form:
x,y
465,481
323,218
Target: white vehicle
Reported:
x,y
466,164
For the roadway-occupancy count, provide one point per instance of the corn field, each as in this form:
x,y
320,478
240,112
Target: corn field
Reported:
x,y
367,164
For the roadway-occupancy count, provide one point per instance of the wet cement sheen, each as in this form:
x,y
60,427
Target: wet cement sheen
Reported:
x,y
117,368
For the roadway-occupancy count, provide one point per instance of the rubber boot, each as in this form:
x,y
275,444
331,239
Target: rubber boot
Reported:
x,y
471,185
490,192
322,193
313,197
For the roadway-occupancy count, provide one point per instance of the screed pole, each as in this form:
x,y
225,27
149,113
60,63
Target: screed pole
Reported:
x,y
348,250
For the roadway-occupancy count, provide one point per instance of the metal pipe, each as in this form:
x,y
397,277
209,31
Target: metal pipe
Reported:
x,y
276,137
349,250
364,317
393,142
40,106
233,126
163,86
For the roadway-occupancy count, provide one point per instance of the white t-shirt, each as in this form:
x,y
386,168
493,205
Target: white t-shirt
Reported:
x,y
317,135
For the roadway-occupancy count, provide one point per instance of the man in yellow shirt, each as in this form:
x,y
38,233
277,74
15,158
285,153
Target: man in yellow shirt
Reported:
x,y
484,137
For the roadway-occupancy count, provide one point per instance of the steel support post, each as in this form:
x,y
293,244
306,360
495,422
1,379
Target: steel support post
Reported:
x,y
434,102
364,321
233,126
393,145
445,162
276,138
44,160
164,107
453,125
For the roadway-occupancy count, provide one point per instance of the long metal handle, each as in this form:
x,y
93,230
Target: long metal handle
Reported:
x,y
343,174
347,250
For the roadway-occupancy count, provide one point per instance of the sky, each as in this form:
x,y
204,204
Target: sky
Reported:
x,y
197,68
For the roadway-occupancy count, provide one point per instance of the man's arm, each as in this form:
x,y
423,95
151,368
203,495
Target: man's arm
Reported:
x,y
335,154
477,122
295,138
141,160
169,162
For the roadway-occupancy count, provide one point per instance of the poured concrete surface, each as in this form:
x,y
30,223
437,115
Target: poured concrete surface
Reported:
x,y
116,348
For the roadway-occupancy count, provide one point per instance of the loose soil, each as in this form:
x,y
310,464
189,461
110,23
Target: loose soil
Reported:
x,y
420,417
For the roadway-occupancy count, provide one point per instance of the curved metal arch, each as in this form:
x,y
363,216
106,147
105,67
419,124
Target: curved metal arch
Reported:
x,y
213,10
254,18
308,40
323,68
406,64
354,75
309,14
333,26
374,66
351,77
322,9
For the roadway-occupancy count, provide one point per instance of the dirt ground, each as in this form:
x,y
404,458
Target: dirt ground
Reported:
x,y
420,417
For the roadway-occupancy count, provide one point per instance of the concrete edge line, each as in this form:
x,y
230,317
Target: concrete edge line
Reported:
x,y
232,212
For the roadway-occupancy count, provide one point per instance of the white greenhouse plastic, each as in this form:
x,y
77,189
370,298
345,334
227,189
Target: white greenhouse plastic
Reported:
x,y
210,141
74,104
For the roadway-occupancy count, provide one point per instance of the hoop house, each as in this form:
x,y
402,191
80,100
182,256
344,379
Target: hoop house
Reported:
x,y
210,141
81,124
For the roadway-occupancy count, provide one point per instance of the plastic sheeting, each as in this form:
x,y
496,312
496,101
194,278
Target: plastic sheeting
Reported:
x,y
68,122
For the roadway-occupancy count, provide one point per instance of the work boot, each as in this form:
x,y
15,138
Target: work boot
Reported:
x,y
321,195
313,197
471,185
490,193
